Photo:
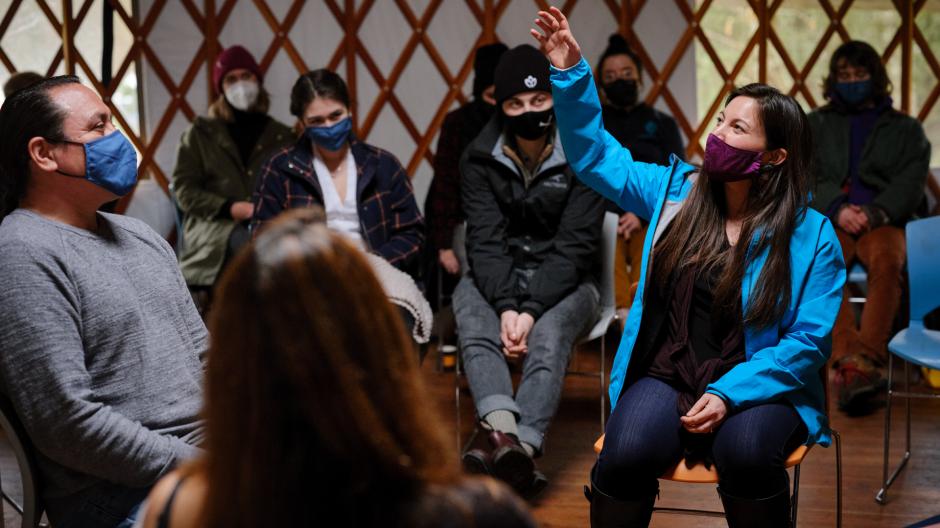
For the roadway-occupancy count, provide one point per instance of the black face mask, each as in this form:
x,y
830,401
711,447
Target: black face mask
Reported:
x,y
622,92
531,125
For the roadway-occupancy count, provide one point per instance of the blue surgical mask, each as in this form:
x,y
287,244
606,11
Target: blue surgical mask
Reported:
x,y
331,138
854,93
110,163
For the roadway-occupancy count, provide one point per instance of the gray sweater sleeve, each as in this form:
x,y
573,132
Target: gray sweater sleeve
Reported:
x,y
193,321
43,371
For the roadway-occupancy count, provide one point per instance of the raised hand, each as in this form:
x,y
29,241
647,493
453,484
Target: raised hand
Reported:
x,y
556,40
627,224
449,261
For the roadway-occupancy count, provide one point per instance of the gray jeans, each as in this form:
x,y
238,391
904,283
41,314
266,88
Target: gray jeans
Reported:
x,y
543,371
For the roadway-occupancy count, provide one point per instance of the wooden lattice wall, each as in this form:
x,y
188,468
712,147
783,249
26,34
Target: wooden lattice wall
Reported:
x,y
350,54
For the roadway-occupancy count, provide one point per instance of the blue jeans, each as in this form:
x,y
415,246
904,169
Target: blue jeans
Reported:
x,y
643,440
104,505
543,371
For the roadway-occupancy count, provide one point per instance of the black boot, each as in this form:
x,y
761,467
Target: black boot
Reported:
x,y
608,512
769,512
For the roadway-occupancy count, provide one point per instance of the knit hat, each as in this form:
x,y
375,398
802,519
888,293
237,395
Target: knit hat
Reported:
x,y
521,69
233,58
484,66
617,45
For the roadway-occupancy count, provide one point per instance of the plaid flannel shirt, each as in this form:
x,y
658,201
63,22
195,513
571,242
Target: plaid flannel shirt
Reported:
x,y
391,224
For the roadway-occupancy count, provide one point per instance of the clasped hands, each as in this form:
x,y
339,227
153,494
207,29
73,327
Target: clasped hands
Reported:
x,y
706,415
853,220
514,329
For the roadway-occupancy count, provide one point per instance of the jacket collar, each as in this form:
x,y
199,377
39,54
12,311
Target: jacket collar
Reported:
x,y
489,145
366,157
367,164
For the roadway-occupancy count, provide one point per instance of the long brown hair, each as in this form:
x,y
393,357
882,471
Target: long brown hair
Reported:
x,y
858,54
314,404
776,202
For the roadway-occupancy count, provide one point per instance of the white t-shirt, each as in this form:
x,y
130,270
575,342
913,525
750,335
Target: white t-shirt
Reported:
x,y
341,216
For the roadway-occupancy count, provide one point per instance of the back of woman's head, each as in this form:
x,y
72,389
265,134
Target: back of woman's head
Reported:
x,y
27,113
314,403
317,83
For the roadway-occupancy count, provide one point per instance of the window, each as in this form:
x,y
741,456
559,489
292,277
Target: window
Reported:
x,y
799,27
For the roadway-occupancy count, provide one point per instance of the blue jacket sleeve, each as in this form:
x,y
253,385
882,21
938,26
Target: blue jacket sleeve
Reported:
x,y
804,344
596,156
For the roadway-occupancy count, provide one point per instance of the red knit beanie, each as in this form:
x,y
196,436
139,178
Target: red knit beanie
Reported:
x,y
233,58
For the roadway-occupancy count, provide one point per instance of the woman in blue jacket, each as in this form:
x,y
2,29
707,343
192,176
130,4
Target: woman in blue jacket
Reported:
x,y
740,286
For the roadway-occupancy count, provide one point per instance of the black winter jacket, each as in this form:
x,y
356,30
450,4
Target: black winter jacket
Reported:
x,y
550,227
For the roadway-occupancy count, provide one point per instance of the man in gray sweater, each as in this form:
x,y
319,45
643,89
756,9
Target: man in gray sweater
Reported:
x,y
101,348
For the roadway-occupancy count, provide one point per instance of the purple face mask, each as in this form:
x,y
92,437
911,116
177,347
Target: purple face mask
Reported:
x,y
725,163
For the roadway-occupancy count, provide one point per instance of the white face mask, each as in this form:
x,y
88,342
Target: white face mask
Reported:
x,y
242,94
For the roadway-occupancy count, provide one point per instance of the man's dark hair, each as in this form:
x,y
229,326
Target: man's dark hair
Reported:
x,y
26,114
19,81
860,55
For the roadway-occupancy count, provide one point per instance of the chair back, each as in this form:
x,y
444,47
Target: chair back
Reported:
x,y
608,255
31,508
923,266
460,247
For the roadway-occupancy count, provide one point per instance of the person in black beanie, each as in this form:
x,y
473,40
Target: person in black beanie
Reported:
x,y
533,232
442,206
652,137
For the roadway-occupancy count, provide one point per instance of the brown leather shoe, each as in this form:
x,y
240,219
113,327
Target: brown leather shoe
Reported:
x,y
476,459
476,462
509,462
536,487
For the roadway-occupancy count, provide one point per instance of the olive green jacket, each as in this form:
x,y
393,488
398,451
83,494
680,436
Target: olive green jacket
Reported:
x,y
209,176
895,161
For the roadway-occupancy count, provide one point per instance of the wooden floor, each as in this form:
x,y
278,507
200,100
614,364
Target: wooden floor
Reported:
x,y
914,497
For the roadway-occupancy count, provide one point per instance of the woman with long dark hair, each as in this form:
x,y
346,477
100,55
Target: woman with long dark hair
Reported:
x,y
315,410
739,289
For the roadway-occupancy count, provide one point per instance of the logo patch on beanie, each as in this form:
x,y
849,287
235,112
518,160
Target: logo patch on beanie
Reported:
x,y
530,81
